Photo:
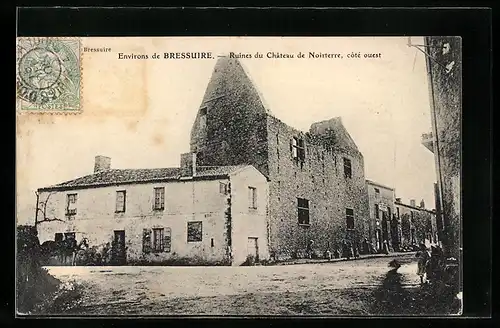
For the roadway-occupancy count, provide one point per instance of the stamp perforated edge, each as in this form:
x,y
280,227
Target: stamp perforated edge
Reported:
x,y
54,112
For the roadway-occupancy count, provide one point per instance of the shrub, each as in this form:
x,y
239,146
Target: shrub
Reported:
x,y
34,284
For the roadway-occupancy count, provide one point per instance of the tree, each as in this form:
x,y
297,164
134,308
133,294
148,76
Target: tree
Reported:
x,y
42,209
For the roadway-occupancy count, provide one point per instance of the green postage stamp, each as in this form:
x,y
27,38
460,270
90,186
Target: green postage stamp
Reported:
x,y
48,75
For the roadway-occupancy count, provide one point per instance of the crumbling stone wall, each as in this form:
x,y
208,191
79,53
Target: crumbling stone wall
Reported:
x,y
233,127
320,179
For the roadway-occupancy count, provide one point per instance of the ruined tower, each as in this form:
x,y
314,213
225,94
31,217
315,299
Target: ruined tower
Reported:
x,y
316,178
230,127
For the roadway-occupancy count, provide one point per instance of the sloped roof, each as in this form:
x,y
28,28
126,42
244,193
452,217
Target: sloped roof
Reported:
x,y
378,184
130,176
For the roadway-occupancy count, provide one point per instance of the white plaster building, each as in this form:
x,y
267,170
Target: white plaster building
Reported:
x,y
209,215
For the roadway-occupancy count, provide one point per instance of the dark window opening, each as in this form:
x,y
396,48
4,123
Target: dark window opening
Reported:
x,y
347,168
298,149
58,236
211,242
194,231
377,191
377,213
349,214
303,210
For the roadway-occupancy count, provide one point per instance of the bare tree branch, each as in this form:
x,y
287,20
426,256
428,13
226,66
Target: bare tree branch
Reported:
x,y
49,220
43,209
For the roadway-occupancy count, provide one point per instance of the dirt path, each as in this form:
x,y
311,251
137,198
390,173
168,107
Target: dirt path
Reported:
x,y
342,288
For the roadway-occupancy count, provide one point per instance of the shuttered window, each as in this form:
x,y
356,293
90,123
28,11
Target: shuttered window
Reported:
x,y
146,241
120,201
71,200
158,239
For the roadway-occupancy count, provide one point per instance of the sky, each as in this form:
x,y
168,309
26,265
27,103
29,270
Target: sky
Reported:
x,y
140,112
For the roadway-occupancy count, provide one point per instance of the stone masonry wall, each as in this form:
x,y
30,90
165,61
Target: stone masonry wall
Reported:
x,y
446,84
320,180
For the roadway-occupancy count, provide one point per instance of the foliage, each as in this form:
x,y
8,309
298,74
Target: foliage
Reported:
x,y
33,283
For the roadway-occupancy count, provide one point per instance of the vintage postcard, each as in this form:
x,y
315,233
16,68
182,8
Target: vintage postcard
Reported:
x,y
238,176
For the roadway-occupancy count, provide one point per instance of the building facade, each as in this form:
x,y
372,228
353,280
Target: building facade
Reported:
x,y
316,179
200,215
384,226
418,225
444,68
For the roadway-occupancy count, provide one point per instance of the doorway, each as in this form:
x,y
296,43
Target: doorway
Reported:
x,y
253,249
378,236
119,256
395,234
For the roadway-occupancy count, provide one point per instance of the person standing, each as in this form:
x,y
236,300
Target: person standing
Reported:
x,y
423,259
309,249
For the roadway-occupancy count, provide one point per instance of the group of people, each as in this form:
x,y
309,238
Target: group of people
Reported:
x,y
430,265
346,250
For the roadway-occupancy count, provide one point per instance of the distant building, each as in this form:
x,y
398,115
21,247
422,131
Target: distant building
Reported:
x,y
417,224
204,215
316,179
384,225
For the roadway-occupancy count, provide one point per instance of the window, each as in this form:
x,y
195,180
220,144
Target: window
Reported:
x,y
58,236
397,210
120,201
377,191
203,118
298,149
69,235
194,231
294,148
252,197
71,204
159,202
303,210
301,150
211,242
223,188
377,213
349,216
158,239
347,168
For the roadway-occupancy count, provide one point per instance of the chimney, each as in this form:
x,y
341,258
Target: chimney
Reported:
x,y
398,200
188,164
422,204
102,163
412,202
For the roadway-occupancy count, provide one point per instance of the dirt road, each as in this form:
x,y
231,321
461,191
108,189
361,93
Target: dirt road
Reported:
x,y
342,288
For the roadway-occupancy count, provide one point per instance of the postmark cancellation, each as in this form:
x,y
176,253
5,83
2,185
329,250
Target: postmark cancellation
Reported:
x,y
48,74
